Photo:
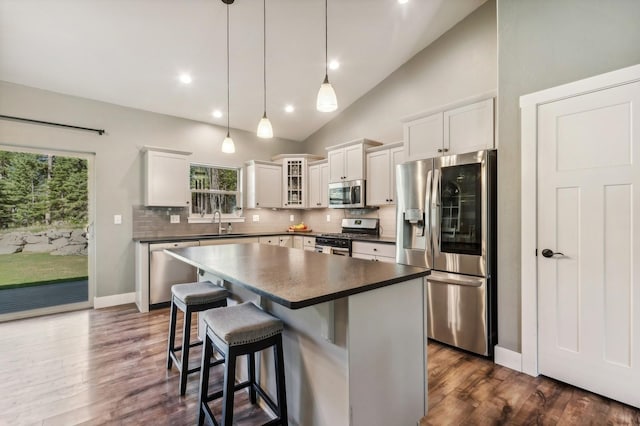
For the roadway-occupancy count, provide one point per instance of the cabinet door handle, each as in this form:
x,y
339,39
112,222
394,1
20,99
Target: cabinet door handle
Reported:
x,y
391,200
446,150
257,204
440,150
375,249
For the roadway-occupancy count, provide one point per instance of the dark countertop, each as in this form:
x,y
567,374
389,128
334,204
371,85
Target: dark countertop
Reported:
x,y
295,278
175,238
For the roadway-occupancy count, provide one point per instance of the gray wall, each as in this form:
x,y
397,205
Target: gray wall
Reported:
x,y
118,161
460,64
541,44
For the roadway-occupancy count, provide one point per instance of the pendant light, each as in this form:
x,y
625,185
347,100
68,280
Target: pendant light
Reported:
x,y
327,101
228,147
265,130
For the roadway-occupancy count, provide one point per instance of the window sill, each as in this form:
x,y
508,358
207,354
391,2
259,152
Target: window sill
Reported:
x,y
199,219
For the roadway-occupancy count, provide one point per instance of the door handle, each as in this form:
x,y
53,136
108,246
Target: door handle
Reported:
x,y
550,253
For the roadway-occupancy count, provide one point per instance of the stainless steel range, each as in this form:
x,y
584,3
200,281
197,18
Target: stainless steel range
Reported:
x,y
340,243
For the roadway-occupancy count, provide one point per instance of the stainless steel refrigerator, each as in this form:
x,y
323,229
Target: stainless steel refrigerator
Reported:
x,y
446,221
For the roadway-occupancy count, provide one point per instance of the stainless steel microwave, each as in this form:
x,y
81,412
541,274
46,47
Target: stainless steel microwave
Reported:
x,y
347,195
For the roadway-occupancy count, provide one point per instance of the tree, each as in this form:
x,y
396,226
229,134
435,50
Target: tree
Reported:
x,y
68,195
25,188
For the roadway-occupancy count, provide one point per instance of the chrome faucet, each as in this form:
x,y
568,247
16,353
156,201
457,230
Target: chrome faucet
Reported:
x,y
213,220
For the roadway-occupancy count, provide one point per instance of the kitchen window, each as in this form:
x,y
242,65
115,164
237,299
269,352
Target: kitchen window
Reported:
x,y
215,188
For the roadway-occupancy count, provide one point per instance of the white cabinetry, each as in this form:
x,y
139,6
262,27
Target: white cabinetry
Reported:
x,y
264,184
318,184
376,252
295,188
381,173
166,173
456,129
423,137
309,243
346,161
469,128
218,241
271,241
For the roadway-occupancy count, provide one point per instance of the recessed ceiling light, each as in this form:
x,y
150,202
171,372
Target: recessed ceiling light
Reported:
x,y
217,113
185,78
403,1
289,108
334,65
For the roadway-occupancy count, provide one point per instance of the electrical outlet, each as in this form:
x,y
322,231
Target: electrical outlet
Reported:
x,y
328,218
256,218
291,218
117,219
175,218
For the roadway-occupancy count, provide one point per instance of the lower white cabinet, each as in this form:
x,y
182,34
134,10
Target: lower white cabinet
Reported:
x,y
309,243
278,240
272,241
218,241
377,252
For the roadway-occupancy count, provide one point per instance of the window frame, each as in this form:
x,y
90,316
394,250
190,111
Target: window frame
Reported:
x,y
226,217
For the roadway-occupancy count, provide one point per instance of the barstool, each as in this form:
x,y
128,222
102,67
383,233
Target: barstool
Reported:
x,y
233,331
190,298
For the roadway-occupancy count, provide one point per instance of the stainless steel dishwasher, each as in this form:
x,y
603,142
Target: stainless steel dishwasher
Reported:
x,y
166,270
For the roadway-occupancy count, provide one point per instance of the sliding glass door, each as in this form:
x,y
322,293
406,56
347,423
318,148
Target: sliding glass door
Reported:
x,y
45,232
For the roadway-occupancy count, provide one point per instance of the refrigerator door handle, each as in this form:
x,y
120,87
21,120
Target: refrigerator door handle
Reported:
x,y
464,281
427,220
435,212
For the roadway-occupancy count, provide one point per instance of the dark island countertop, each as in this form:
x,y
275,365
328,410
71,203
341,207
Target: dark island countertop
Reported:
x,y
295,278
196,237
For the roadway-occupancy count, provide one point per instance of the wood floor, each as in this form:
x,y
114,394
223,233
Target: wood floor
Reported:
x,y
107,366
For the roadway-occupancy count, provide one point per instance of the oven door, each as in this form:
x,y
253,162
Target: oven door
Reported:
x,y
338,251
460,212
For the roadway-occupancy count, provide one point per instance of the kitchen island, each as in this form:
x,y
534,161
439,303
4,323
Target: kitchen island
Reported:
x,y
354,339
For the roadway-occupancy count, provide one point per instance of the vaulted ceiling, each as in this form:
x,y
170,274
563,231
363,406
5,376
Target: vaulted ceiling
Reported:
x,y
131,52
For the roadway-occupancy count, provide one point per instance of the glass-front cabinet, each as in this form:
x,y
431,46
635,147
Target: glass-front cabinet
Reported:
x,y
295,195
295,187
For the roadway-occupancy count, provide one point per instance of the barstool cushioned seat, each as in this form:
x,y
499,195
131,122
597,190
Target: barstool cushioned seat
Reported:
x,y
234,331
190,298
198,293
242,324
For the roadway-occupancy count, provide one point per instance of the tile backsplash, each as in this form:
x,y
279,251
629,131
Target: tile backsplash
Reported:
x,y
155,222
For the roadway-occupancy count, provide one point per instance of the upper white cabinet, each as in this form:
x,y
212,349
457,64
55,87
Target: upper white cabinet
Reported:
x,y
381,173
318,184
264,184
166,173
295,188
467,127
346,161
424,137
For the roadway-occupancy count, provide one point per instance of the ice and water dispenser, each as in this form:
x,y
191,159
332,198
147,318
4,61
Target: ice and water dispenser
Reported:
x,y
412,223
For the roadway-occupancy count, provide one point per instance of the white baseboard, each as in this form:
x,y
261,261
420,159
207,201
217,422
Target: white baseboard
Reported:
x,y
115,300
507,358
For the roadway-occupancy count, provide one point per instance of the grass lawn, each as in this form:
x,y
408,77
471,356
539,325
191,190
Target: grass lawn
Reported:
x,y
19,269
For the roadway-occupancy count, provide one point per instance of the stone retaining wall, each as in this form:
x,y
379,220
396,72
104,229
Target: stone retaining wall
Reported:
x,y
55,242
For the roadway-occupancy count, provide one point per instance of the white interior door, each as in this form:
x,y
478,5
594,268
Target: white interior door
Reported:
x,y
589,210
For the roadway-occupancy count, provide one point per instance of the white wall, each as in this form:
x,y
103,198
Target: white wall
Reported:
x,y
460,64
118,164
541,44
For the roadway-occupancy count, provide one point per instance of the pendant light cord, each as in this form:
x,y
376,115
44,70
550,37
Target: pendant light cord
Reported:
x,y
228,108
264,52
326,41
